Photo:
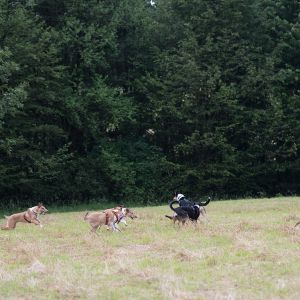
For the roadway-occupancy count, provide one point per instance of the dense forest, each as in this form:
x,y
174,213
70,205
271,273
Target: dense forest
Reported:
x,y
130,100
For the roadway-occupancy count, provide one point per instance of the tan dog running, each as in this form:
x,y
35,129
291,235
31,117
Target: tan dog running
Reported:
x,y
31,215
110,217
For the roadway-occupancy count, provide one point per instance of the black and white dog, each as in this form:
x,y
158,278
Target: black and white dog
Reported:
x,y
188,209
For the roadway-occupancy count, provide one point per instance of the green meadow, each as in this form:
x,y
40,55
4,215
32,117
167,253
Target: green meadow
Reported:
x,y
242,249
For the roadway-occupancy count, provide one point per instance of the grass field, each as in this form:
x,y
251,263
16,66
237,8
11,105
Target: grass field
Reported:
x,y
244,249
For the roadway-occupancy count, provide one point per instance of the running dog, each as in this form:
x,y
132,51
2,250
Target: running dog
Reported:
x,y
126,212
187,210
183,218
31,215
109,217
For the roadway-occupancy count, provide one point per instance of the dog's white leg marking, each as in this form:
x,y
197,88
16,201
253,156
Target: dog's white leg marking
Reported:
x,y
39,222
117,227
114,226
124,222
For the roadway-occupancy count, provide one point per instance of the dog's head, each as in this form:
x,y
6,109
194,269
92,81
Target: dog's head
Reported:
x,y
41,209
129,213
178,196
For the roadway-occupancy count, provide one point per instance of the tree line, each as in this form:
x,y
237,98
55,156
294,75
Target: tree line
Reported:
x,y
130,100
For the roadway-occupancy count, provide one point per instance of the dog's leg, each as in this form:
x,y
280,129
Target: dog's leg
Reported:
x,y
6,225
111,226
36,222
114,227
94,232
5,228
10,224
41,225
117,227
94,229
124,221
195,223
38,219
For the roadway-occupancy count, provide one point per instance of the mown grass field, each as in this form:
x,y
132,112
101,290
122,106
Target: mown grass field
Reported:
x,y
244,249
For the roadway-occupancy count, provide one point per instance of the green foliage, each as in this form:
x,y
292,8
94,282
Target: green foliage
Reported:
x,y
12,95
130,101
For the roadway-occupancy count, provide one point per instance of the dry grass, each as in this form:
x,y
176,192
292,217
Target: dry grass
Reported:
x,y
243,250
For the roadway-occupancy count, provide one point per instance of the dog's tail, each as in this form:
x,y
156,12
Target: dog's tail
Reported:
x,y
170,217
171,204
6,217
85,216
205,203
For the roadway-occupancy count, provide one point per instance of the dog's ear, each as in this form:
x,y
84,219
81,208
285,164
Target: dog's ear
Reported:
x,y
40,204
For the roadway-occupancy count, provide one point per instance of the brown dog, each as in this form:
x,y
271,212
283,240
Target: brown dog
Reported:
x,y
110,217
31,215
180,219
